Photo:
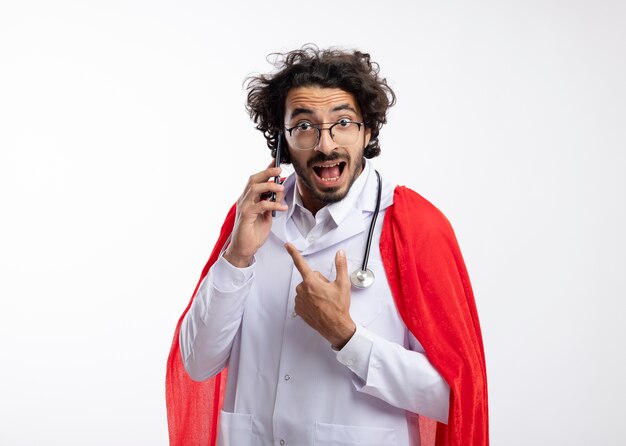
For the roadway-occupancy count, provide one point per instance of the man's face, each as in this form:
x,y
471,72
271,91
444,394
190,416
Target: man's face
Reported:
x,y
326,172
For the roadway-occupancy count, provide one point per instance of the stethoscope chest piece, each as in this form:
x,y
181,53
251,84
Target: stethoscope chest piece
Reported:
x,y
362,278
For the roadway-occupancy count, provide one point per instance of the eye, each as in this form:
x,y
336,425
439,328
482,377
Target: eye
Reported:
x,y
344,122
304,126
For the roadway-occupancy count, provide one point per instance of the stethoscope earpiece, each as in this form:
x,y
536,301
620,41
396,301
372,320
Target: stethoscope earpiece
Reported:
x,y
364,277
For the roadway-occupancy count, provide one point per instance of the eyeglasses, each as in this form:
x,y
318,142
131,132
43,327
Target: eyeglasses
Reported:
x,y
306,136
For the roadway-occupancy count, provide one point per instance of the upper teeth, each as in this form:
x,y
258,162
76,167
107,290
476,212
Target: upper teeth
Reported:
x,y
329,165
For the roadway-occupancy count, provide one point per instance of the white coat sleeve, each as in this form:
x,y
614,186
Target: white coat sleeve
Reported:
x,y
403,377
211,324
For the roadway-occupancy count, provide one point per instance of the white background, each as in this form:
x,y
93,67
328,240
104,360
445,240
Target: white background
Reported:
x,y
124,140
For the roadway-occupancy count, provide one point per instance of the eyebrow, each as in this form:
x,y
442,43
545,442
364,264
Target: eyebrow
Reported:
x,y
308,111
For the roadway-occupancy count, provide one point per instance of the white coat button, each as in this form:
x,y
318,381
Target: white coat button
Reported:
x,y
350,362
287,377
311,238
294,314
282,441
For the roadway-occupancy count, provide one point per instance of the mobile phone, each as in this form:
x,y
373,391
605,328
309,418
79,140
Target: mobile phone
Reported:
x,y
279,147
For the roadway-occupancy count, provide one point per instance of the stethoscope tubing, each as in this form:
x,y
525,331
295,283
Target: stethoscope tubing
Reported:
x,y
363,278
368,245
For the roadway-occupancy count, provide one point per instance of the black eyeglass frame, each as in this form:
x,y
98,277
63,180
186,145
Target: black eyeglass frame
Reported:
x,y
319,130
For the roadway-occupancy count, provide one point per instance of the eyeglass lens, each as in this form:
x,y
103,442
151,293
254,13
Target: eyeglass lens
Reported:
x,y
343,133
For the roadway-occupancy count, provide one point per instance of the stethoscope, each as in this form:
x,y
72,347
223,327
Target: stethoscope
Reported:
x,y
364,277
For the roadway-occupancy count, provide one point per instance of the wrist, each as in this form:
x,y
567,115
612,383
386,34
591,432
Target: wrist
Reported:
x,y
346,333
237,260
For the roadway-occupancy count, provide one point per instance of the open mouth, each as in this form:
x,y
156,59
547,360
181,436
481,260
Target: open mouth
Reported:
x,y
329,172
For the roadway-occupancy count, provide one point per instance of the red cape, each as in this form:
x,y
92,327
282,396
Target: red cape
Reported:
x,y
432,291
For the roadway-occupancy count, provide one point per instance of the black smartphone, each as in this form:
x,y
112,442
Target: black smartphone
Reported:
x,y
279,147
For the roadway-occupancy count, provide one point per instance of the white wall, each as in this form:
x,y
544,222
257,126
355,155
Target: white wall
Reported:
x,y
123,140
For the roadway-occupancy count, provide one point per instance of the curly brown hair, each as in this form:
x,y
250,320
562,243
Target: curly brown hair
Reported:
x,y
351,71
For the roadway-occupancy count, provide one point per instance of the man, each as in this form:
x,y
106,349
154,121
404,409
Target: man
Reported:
x,y
313,357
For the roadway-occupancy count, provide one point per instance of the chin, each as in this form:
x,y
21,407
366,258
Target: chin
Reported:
x,y
323,192
330,195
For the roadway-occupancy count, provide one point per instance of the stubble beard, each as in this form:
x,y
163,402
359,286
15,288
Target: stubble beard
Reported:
x,y
329,195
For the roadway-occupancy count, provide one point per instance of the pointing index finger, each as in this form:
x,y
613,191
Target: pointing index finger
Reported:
x,y
298,260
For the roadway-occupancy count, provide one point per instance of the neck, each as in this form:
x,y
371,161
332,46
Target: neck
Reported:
x,y
311,204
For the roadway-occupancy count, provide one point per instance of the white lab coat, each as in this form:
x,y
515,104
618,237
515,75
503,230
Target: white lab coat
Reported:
x,y
286,385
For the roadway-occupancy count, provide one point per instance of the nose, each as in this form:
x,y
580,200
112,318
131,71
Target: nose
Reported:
x,y
326,143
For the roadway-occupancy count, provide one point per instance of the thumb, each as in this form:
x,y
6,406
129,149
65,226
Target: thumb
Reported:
x,y
341,264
